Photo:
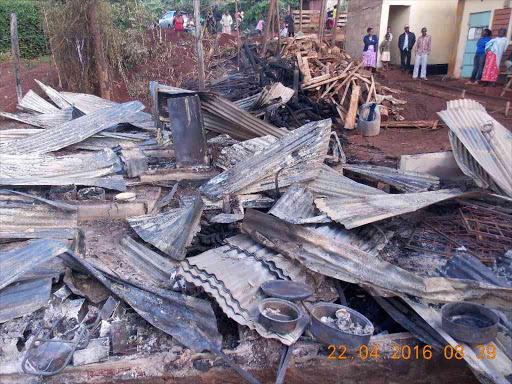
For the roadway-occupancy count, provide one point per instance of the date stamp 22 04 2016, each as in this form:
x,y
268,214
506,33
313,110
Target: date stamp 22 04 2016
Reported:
x,y
339,352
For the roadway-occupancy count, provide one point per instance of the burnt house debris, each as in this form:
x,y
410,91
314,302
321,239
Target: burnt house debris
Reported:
x,y
243,228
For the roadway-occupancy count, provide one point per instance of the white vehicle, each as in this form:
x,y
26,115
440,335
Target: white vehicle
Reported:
x,y
166,20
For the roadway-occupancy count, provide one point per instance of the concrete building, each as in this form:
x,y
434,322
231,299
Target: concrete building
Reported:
x,y
438,16
472,17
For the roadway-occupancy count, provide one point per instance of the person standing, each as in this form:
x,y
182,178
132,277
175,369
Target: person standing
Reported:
x,y
371,42
259,26
385,55
390,34
178,22
226,22
479,59
423,49
494,52
405,43
290,24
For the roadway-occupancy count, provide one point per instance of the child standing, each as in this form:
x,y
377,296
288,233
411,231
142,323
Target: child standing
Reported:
x,y
384,49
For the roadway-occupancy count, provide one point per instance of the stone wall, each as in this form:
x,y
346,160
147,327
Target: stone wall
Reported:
x,y
361,15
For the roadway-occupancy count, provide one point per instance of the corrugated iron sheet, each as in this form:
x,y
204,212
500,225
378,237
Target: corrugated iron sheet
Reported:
x,y
300,154
45,120
343,261
149,266
370,239
405,181
189,320
87,103
217,124
233,275
234,154
353,212
22,298
170,231
34,103
276,95
481,145
246,103
331,183
16,263
54,96
497,370
7,135
80,169
296,206
24,216
237,117
73,131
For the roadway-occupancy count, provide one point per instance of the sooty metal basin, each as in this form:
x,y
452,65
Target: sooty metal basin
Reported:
x,y
330,334
284,321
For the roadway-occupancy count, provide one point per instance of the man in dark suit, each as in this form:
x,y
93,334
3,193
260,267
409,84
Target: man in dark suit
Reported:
x,y
405,43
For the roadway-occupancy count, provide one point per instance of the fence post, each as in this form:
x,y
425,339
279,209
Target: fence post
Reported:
x,y
267,28
15,48
300,16
199,44
338,12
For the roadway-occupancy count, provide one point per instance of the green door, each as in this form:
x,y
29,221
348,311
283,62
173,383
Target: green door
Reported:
x,y
477,23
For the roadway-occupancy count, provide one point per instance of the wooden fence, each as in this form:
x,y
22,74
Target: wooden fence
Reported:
x,y
311,19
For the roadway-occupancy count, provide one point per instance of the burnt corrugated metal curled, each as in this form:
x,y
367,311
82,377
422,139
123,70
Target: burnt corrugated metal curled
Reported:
x,y
343,261
22,298
405,181
330,183
152,268
46,120
296,206
54,95
98,169
353,212
233,273
170,231
24,216
34,103
275,95
302,150
481,145
16,263
73,131
189,320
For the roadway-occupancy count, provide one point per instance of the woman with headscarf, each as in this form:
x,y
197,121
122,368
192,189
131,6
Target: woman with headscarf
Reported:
x,y
494,52
371,42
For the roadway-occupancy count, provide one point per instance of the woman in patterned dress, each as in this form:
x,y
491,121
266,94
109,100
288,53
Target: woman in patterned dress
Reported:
x,y
371,42
494,51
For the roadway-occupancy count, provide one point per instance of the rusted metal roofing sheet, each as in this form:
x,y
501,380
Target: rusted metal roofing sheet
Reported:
x,y
24,216
237,117
73,131
189,320
34,103
16,263
353,212
333,184
303,150
45,120
80,169
497,370
371,239
149,266
405,181
481,145
233,273
22,298
170,231
296,206
343,261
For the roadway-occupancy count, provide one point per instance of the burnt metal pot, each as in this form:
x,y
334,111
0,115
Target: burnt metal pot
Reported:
x,y
284,322
287,290
469,322
328,334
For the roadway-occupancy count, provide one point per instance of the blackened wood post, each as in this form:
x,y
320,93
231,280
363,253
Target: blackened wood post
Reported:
x,y
15,49
278,28
199,45
267,28
300,16
237,21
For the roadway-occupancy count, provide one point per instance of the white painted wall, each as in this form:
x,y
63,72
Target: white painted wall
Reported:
x,y
472,6
438,16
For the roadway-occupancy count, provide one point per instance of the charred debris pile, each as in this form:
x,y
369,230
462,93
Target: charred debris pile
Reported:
x,y
126,233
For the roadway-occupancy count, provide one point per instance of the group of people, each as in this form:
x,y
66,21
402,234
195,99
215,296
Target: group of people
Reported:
x,y
486,63
406,42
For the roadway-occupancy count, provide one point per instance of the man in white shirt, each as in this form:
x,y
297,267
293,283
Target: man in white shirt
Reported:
x,y
226,23
405,43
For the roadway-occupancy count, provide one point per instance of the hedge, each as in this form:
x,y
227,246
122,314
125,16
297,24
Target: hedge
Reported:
x,y
30,30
